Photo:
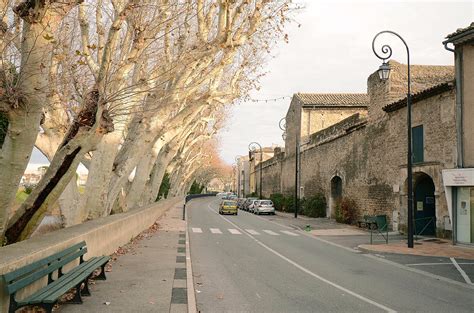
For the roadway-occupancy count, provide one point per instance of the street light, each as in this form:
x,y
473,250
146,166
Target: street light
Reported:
x,y
237,161
253,147
384,74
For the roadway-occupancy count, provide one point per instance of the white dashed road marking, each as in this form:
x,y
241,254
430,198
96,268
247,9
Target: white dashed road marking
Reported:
x,y
216,231
461,271
197,230
270,232
289,233
234,231
252,232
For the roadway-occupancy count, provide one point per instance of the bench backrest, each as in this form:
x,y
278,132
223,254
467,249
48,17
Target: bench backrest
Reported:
x,y
28,274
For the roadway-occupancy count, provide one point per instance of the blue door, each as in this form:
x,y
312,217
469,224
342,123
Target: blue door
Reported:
x,y
425,206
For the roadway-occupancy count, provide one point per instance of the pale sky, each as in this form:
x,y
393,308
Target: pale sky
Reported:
x,y
331,52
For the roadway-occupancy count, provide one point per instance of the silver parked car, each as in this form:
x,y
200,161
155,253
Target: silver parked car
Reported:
x,y
251,205
263,207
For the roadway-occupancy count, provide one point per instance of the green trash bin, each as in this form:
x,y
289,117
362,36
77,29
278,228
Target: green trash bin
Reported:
x,y
381,221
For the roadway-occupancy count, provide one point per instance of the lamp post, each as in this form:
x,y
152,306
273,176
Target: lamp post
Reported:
x,y
237,161
253,147
234,166
384,74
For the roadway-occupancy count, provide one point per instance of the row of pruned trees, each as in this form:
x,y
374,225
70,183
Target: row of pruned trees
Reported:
x,y
123,87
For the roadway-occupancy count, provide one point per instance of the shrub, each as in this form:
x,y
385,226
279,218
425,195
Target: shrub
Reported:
x,y
345,211
278,200
289,204
314,206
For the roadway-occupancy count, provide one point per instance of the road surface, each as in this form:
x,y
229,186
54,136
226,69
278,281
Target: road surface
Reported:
x,y
247,263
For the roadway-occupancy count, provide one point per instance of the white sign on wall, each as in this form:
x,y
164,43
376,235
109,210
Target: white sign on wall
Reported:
x,y
458,177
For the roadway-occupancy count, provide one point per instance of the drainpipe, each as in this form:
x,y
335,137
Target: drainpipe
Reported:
x,y
458,57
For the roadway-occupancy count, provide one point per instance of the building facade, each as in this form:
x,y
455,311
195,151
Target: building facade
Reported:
x,y
362,154
459,181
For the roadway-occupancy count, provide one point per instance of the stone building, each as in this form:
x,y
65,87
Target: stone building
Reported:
x,y
255,158
243,176
360,152
459,180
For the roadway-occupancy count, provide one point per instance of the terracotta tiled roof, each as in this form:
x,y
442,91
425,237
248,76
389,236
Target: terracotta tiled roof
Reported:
x,y
421,95
333,99
461,35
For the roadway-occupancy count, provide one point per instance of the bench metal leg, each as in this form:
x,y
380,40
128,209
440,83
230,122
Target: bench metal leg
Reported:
x,y
101,276
48,307
85,291
77,296
13,304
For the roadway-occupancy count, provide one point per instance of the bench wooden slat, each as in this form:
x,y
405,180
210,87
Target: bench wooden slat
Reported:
x,y
58,283
34,276
78,279
9,277
53,291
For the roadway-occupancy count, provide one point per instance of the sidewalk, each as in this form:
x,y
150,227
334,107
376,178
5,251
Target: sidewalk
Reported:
x,y
147,275
357,238
427,247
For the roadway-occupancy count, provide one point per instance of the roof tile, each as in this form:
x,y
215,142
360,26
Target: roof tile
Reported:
x,y
333,99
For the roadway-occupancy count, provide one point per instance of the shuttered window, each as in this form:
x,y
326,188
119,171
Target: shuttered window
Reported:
x,y
418,144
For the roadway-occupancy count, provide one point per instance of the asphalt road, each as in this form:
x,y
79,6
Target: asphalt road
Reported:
x,y
248,264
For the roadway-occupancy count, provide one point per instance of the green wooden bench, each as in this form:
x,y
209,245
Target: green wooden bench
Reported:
x,y
58,284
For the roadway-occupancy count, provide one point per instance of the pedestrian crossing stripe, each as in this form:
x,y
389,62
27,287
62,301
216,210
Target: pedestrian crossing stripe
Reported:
x,y
289,233
270,232
234,231
252,232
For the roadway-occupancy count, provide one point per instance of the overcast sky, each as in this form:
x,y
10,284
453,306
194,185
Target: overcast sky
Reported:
x,y
331,52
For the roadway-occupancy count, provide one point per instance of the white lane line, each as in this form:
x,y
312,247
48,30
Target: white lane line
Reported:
x,y
216,231
462,272
352,293
234,231
429,264
197,230
270,232
252,232
192,306
287,232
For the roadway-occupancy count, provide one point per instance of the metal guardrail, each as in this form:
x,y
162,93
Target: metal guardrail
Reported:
x,y
191,197
431,219
385,236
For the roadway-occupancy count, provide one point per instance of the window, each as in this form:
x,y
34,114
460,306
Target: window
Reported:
x,y
418,144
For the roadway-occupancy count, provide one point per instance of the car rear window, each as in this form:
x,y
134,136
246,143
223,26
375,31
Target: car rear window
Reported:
x,y
266,202
229,203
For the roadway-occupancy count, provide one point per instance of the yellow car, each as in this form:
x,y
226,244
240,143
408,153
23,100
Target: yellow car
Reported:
x,y
228,207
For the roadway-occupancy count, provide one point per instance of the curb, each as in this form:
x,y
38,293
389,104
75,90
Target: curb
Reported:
x,y
192,308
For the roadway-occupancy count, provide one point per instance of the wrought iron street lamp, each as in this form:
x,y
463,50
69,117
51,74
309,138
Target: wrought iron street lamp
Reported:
x,y
282,125
253,147
237,161
384,74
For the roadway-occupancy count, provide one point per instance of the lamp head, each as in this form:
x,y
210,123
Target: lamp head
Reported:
x,y
384,71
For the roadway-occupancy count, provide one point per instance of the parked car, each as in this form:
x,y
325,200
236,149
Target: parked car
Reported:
x,y
247,203
240,203
264,207
228,207
251,205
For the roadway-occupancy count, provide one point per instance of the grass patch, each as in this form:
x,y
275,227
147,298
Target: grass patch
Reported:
x,y
21,196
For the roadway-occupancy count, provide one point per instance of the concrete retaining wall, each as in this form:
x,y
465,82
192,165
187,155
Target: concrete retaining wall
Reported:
x,y
103,236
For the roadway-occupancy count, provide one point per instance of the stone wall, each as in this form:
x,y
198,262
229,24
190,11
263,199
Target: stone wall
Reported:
x,y
468,104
